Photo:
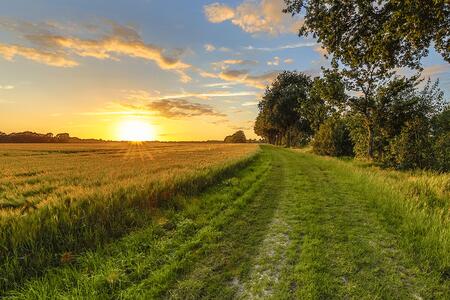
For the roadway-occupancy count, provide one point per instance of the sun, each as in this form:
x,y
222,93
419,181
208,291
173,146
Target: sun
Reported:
x,y
136,131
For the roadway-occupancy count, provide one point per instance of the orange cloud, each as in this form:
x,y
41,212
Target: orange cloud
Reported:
x,y
322,51
218,13
54,48
255,16
9,52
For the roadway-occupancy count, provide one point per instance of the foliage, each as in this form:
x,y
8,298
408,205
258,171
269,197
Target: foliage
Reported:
x,y
33,137
333,138
368,40
412,148
238,138
295,105
441,150
399,32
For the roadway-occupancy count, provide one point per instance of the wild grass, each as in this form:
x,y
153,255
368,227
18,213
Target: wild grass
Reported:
x,y
416,203
59,200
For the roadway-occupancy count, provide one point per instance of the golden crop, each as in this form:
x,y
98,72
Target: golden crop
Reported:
x,y
33,175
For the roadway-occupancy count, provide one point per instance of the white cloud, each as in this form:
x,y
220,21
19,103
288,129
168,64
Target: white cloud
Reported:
x,y
250,103
209,47
147,96
212,48
288,61
274,62
433,70
6,87
282,47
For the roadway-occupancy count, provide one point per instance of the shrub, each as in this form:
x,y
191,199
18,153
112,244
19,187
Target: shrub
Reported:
x,y
333,138
441,149
413,147
237,137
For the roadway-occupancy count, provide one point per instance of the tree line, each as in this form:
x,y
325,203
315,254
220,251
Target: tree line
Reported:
x,y
33,137
362,105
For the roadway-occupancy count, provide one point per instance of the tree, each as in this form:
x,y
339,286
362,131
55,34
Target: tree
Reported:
x,y
333,138
399,31
282,108
413,147
265,129
237,137
328,98
368,39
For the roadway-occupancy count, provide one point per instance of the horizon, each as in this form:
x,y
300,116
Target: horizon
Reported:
x,y
195,73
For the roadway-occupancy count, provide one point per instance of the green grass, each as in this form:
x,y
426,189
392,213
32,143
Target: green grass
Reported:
x,y
287,225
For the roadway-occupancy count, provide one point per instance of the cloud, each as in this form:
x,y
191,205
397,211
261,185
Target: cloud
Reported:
x,y
282,47
433,70
209,47
55,59
288,61
144,95
54,48
255,16
322,51
243,77
218,13
167,108
212,48
274,62
6,87
180,108
223,85
224,64
250,103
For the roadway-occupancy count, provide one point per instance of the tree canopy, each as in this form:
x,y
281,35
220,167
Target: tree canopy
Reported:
x,y
389,33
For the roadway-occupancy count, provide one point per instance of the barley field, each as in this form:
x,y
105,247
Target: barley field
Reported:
x,y
32,176
56,198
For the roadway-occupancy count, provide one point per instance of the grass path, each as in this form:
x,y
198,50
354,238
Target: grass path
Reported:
x,y
290,225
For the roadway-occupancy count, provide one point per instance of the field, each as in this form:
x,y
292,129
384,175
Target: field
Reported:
x,y
57,199
190,221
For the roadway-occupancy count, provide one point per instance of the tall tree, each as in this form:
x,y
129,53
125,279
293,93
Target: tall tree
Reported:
x,y
280,105
369,39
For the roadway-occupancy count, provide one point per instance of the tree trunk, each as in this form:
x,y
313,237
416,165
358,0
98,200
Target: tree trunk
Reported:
x,y
371,142
288,139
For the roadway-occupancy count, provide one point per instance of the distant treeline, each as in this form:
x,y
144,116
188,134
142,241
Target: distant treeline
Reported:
x,y
33,137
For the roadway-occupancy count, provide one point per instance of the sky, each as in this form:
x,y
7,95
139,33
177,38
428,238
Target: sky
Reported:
x,y
189,70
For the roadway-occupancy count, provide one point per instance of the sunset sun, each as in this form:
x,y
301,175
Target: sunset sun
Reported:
x,y
136,131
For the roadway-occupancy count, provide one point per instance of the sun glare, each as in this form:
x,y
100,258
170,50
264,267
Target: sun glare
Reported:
x,y
136,131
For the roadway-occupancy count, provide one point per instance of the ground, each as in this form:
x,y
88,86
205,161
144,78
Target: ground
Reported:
x,y
289,225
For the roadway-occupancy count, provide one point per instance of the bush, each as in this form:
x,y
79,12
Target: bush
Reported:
x,y
442,152
413,147
333,138
237,137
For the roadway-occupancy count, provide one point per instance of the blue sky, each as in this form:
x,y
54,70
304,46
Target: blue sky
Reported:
x,y
192,69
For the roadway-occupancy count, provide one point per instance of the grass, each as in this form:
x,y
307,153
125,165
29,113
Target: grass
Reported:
x,y
285,225
118,186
